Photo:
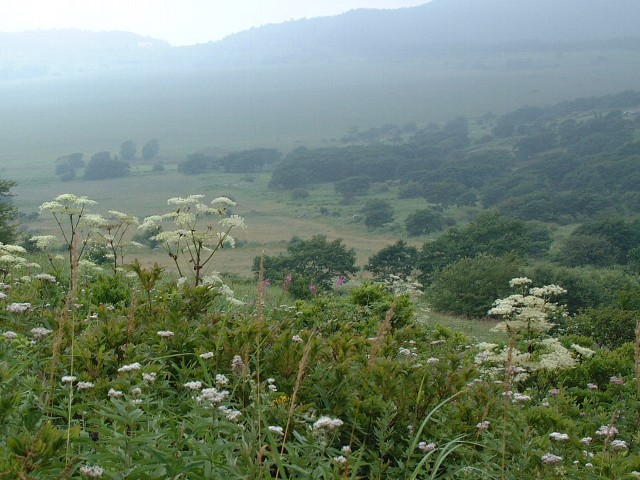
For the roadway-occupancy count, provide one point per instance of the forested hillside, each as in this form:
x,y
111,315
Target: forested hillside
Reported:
x,y
568,161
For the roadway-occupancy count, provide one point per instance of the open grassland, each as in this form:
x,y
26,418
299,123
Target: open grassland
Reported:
x,y
272,217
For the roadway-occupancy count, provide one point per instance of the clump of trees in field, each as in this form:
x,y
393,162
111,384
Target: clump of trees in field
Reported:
x,y
104,165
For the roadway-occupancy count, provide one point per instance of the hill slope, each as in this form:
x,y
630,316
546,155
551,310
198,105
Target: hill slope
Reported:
x,y
442,26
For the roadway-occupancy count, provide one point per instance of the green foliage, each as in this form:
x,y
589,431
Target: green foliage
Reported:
x,y
128,150
609,326
8,213
102,166
299,194
248,161
580,250
315,259
377,213
197,163
397,259
275,365
353,186
377,299
110,290
470,285
586,287
67,165
491,234
150,149
620,237
423,222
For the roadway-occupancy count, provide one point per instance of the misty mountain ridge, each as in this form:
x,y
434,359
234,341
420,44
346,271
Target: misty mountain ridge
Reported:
x,y
441,27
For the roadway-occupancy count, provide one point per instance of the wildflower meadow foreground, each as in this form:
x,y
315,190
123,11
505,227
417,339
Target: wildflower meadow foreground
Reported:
x,y
127,371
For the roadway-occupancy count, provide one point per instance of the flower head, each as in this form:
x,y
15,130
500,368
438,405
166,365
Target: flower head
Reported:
x,y
40,332
427,447
197,385
276,429
18,307
92,471
130,368
550,458
559,437
10,335
113,393
327,423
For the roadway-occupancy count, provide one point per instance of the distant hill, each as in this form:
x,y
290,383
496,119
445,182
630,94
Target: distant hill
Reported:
x,y
441,27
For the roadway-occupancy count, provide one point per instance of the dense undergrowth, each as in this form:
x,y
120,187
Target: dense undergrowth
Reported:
x,y
142,373
180,383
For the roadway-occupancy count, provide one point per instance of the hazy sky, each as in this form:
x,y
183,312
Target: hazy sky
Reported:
x,y
180,22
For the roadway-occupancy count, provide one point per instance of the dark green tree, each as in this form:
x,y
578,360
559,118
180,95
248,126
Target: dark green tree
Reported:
x,y
103,166
150,149
317,260
579,250
491,234
397,259
623,235
197,163
353,186
471,285
377,212
8,213
248,161
423,222
128,150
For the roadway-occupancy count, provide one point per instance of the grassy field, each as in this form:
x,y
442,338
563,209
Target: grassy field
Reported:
x,y
272,217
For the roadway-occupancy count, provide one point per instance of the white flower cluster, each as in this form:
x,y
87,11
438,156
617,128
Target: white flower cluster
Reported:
x,y
583,351
43,241
10,335
427,447
607,431
212,395
550,458
45,277
40,332
237,365
18,307
618,445
130,368
91,471
67,203
327,423
519,281
559,437
196,385
113,393
231,414
405,352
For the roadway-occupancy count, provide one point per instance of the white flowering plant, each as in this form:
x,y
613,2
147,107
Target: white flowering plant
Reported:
x,y
201,229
